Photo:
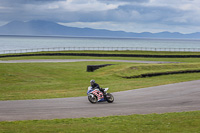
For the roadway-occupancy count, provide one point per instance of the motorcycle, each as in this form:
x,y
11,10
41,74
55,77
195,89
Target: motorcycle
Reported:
x,y
95,95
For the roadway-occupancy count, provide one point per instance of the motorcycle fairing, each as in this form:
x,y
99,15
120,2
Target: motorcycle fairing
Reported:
x,y
96,92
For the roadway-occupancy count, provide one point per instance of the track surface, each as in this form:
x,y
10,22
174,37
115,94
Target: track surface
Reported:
x,y
78,60
177,97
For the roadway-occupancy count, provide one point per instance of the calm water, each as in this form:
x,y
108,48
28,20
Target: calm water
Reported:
x,y
20,42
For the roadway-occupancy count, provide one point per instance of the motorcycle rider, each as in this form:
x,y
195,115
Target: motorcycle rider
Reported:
x,y
95,85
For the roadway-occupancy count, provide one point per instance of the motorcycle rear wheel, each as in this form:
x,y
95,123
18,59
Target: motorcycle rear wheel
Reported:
x,y
92,99
109,98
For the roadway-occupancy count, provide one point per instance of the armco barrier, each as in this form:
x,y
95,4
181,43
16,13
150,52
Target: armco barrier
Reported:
x,y
102,55
91,68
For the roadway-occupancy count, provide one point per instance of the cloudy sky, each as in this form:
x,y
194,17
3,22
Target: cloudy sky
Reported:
x,y
125,15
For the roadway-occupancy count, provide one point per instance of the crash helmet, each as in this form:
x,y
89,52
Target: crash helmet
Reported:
x,y
92,81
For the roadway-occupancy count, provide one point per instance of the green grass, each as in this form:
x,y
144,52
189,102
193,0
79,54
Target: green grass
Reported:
x,y
184,122
115,58
54,80
138,69
187,60
19,81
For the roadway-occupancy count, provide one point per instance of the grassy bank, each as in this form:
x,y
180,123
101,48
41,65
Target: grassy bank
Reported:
x,y
139,69
184,122
55,80
186,60
111,52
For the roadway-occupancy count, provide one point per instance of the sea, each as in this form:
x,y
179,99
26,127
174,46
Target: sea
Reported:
x,y
42,42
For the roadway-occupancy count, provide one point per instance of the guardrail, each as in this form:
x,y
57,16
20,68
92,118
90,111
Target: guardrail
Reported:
x,y
99,49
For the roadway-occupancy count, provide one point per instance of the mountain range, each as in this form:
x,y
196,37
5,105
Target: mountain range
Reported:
x,y
47,28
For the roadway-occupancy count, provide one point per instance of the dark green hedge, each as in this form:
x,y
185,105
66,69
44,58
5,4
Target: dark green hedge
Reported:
x,y
102,55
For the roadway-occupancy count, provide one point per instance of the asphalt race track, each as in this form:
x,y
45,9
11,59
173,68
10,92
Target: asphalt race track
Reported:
x,y
177,97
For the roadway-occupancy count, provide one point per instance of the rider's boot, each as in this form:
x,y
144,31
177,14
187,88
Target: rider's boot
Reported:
x,y
104,93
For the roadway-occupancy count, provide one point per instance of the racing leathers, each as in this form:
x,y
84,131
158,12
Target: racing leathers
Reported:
x,y
95,85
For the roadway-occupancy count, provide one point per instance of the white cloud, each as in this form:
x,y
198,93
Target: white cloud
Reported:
x,y
187,5
128,15
79,6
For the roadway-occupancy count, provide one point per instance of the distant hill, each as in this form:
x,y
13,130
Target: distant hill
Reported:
x,y
45,28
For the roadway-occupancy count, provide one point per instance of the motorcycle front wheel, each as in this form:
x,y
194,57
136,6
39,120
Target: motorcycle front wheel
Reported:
x,y
92,99
109,98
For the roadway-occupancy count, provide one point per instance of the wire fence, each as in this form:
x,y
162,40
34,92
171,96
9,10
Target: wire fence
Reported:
x,y
99,49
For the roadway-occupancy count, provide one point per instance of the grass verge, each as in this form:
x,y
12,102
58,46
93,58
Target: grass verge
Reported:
x,y
144,69
54,80
186,60
21,81
183,122
110,52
